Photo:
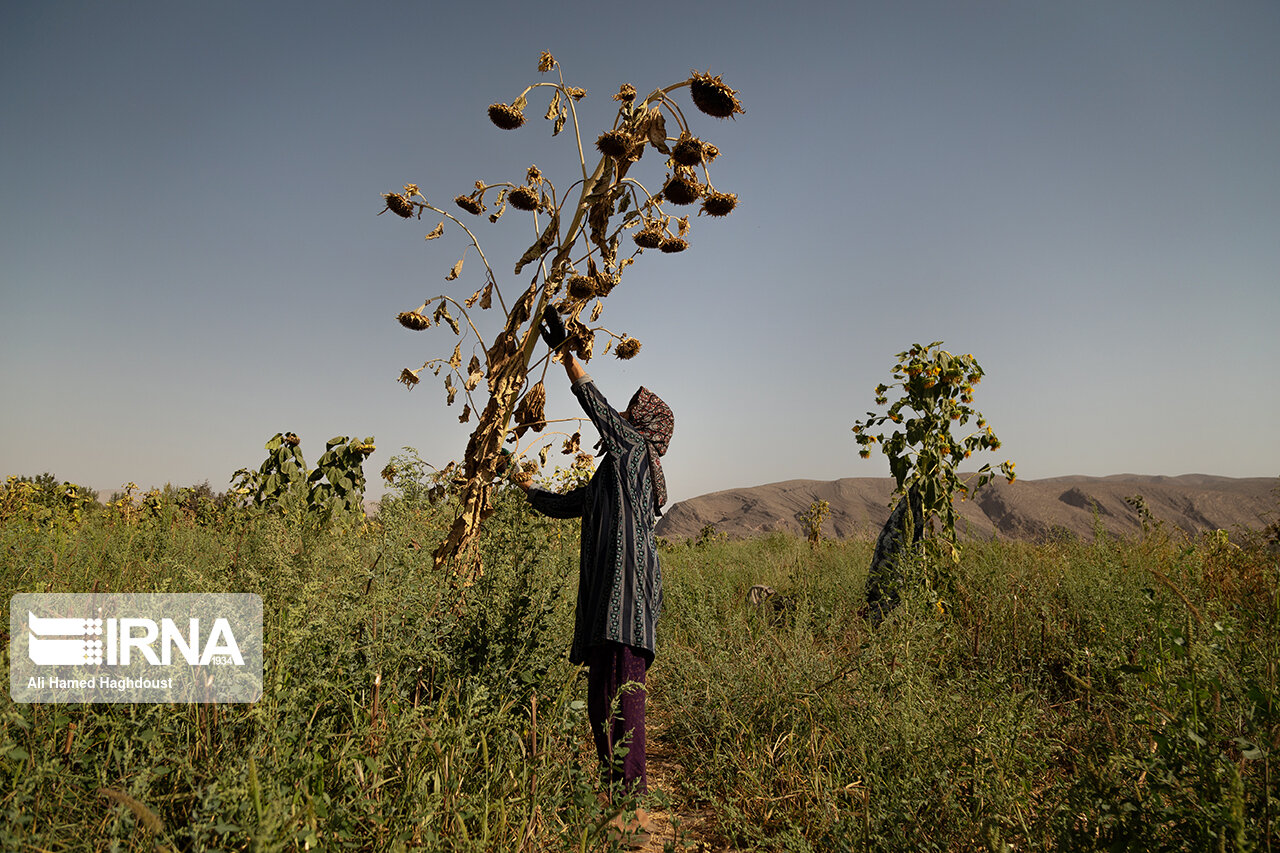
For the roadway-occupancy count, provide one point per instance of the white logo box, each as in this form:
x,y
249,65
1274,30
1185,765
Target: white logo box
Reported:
x,y
135,647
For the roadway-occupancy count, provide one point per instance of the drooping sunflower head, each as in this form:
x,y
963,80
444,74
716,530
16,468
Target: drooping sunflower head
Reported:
x,y
682,187
470,204
713,97
688,150
614,143
523,198
505,116
413,320
716,203
581,287
627,348
672,245
398,204
649,237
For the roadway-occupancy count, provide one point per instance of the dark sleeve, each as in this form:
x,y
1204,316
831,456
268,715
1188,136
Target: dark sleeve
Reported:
x,y
569,505
615,433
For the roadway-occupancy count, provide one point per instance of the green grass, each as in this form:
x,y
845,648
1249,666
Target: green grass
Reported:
x,y
1103,695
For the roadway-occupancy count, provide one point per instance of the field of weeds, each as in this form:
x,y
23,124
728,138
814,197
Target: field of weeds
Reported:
x,y
1074,695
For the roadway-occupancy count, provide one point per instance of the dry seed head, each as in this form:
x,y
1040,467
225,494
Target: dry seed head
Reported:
x,y
672,245
682,187
409,378
469,204
291,439
626,94
582,287
533,176
649,237
627,348
718,203
413,320
713,97
688,150
614,143
398,204
575,93
523,198
505,116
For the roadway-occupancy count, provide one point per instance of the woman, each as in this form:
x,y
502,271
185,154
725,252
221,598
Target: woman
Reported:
x,y
619,579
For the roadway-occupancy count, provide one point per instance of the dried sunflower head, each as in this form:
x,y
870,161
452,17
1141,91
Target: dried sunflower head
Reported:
x,y
291,439
626,93
649,237
533,176
470,204
582,287
398,204
614,143
682,187
672,245
409,378
413,320
627,348
575,93
712,96
719,204
688,150
505,116
523,198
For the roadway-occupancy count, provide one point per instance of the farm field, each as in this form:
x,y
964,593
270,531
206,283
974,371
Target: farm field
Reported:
x,y
1086,693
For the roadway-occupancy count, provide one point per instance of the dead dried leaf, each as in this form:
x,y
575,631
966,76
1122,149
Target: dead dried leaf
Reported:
x,y
438,231
544,243
455,360
466,414
457,268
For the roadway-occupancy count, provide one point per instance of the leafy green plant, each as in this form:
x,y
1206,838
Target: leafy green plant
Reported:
x,y
936,394
284,483
813,519
577,256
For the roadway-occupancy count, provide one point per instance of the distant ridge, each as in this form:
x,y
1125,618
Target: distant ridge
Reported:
x,y
1029,510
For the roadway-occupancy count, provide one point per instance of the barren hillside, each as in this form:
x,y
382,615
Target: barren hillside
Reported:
x,y
1025,509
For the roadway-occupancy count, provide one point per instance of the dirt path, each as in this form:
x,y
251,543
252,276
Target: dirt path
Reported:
x,y
678,828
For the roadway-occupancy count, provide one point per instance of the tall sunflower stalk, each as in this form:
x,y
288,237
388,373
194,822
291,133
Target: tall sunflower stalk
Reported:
x,y
578,259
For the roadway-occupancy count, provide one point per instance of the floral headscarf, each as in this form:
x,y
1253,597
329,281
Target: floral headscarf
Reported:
x,y
654,420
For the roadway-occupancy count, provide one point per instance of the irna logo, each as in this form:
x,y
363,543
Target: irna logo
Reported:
x,y
135,647
60,641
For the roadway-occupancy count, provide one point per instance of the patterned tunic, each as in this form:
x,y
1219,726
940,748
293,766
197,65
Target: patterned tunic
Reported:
x,y
619,579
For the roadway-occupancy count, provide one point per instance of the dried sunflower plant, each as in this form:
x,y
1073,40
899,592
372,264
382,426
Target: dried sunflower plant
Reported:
x,y
578,257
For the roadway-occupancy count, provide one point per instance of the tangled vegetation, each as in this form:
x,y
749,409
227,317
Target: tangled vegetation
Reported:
x,y
1076,695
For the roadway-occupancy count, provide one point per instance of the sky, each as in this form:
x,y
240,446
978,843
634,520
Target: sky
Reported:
x,y
1085,196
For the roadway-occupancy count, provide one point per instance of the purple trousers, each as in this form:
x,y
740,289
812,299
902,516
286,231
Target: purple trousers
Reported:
x,y
617,714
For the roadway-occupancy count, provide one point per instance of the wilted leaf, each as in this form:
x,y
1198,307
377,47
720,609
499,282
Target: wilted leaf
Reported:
x,y
595,312
542,454
494,217
438,231
560,120
448,386
656,127
486,298
466,414
544,243
571,444
520,103
453,273
553,109
455,360
474,374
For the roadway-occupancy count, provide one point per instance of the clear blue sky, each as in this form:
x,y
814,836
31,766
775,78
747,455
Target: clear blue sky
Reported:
x,y
1084,195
